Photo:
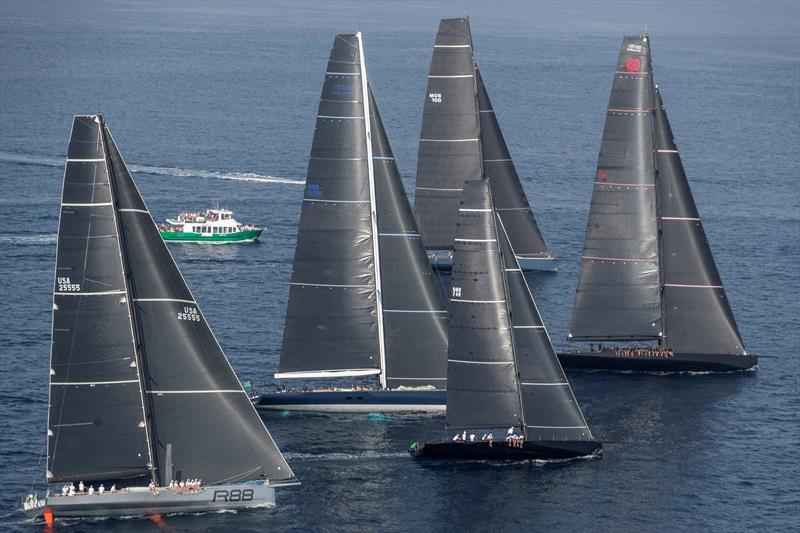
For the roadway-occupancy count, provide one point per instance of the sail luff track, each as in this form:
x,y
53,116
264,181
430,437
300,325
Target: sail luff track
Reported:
x,y
618,292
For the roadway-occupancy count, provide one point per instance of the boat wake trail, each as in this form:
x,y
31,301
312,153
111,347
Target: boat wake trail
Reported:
x,y
334,456
28,159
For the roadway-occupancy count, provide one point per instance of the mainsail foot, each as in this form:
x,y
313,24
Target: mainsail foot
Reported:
x,y
502,451
143,501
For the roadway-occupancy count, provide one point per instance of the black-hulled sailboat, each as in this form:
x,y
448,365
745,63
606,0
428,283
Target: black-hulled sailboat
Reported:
x,y
503,376
461,141
647,271
363,299
141,393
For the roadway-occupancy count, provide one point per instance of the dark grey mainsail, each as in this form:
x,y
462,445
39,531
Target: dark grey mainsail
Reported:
x,y
414,306
96,426
698,317
618,293
482,378
449,148
363,298
192,398
509,196
550,409
332,320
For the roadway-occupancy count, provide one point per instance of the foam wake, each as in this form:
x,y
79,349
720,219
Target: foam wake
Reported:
x,y
28,159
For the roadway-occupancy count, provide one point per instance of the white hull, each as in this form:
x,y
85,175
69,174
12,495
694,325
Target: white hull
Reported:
x,y
143,502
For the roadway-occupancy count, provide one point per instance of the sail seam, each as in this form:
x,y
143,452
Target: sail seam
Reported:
x,y
693,286
209,391
544,384
93,383
478,301
480,362
452,46
84,160
98,204
470,210
475,240
164,300
448,140
559,427
437,189
98,293
126,210
681,218
432,311
342,74
450,76
341,118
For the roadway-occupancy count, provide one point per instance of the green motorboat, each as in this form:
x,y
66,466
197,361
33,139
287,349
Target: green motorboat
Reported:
x,y
215,226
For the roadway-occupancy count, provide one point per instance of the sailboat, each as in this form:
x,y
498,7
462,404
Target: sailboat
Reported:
x,y
141,394
461,140
647,271
503,376
363,301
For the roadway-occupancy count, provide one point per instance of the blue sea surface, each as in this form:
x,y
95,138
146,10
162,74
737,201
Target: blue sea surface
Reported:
x,y
216,102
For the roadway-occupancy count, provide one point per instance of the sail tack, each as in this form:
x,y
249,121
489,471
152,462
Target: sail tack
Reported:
x,y
186,393
618,294
697,315
449,146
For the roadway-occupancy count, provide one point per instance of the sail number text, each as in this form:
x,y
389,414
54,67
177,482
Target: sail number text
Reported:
x,y
233,495
189,313
65,285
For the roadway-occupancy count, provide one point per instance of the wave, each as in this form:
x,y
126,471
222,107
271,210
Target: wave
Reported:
x,y
38,160
338,456
36,238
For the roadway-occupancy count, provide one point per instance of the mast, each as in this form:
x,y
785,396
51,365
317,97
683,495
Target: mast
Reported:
x,y
376,263
618,293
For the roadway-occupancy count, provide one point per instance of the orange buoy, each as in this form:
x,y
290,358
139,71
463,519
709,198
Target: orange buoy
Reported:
x,y
48,517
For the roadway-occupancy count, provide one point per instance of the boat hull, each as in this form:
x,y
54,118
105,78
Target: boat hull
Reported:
x,y
250,235
142,502
676,363
396,401
442,260
502,451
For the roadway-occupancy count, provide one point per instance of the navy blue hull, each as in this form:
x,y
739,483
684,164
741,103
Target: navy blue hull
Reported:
x,y
355,401
501,451
676,363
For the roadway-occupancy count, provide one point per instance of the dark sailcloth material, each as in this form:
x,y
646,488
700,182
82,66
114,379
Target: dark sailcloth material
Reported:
x,y
618,293
194,399
449,151
550,409
414,308
332,320
509,196
698,317
96,420
482,383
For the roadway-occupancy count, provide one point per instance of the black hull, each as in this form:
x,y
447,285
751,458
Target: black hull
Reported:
x,y
501,451
676,363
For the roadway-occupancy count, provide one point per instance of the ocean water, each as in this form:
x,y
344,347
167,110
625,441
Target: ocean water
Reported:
x,y
215,102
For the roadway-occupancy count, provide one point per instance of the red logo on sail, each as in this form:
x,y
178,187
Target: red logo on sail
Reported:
x,y
602,175
632,64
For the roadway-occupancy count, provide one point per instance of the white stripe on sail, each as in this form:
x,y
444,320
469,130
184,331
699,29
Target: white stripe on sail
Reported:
x,y
479,301
475,240
98,293
165,300
448,140
431,311
84,160
451,45
480,362
528,327
342,118
451,76
437,189
99,204
328,373
128,210
467,210
93,383
693,286
336,201
209,391
545,384
558,427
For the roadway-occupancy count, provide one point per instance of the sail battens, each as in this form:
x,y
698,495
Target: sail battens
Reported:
x,y
475,240
530,384
91,383
452,46
450,140
335,285
95,293
629,110
691,219
528,327
85,160
439,189
409,235
471,210
463,361
339,117
343,74
557,427
425,311
178,300
436,77
98,204
619,259
629,185
145,211
666,151
685,286
319,158
208,391
501,161
458,300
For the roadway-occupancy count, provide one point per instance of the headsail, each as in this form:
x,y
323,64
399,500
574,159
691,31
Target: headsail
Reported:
x,y
332,317
698,317
509,196
449,148
154,373
96,426
550,409
414,308
618,293
482,381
